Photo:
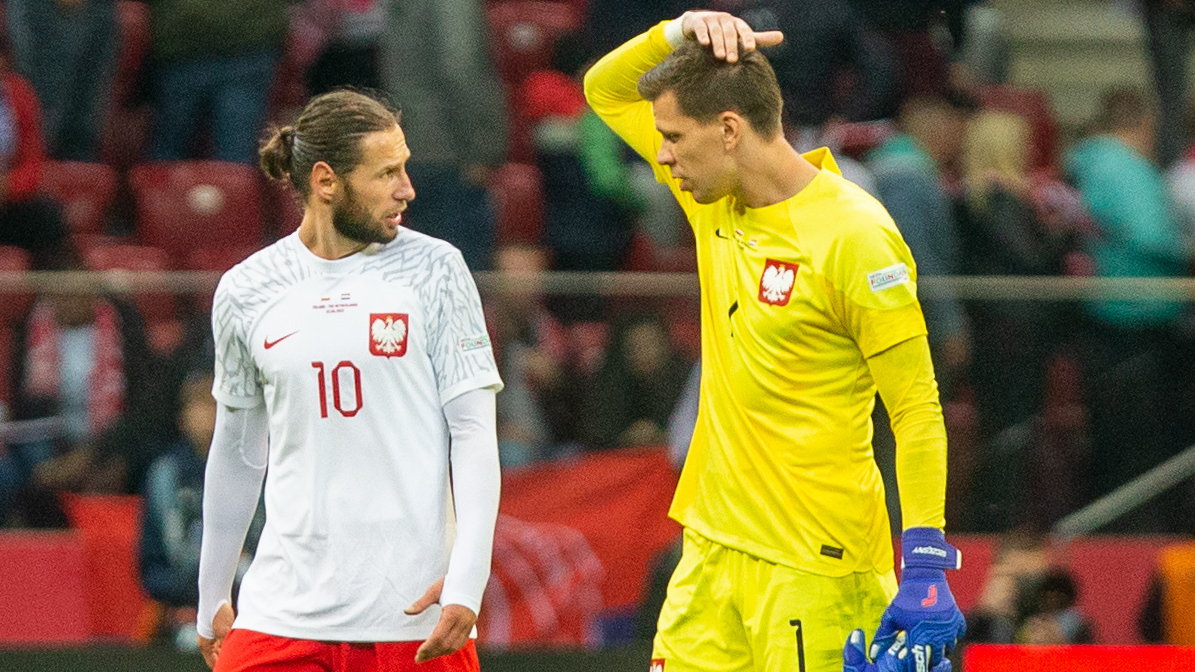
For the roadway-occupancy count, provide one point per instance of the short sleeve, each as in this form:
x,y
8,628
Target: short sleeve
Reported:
x,y
459,343
876,278
236,381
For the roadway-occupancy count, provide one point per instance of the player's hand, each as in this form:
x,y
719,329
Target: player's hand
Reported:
x,y
924,608
221,624
723,33
451,632
895,658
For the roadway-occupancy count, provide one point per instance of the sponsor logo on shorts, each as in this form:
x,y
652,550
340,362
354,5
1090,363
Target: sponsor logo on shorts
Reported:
x,y
886,278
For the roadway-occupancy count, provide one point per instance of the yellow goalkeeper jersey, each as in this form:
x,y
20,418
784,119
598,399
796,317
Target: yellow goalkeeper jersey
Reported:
x,y
795,296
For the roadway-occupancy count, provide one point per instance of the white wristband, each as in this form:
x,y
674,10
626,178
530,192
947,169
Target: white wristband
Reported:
x,y
674,31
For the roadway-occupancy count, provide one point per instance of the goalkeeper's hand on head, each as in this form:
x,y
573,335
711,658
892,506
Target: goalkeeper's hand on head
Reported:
x,y
924,608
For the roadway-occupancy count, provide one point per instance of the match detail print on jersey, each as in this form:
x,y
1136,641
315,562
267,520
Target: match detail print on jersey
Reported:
x,y
388,334
776,284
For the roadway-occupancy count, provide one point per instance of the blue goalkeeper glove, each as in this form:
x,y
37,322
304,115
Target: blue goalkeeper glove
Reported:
x,y
893,659
924,608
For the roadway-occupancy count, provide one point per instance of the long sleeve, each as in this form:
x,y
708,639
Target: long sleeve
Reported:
x,y
476,484
611,87
236,466
904,375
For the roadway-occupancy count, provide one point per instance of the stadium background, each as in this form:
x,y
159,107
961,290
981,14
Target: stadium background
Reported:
x,y
583,538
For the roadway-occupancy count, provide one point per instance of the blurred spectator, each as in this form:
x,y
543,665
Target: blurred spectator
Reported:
x,y
634,392
171,525
1001,234
830,66
1168,27
924,36
590,202
538,409
908,169
86,364
349,33
1181,179
1137,361
213,60
1021,562
985,55
454,117
67,50
27,220
1054,618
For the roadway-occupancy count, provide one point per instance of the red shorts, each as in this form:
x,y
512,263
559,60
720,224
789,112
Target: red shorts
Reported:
x,y
251,651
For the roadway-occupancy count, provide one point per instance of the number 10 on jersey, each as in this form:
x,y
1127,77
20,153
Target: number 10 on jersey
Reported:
x,y
338,400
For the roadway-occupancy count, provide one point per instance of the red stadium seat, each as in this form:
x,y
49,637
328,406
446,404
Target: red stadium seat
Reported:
x,y
524,32
156,308
217,258
84,190
856,139
14,306
1034,106
184,205
518,195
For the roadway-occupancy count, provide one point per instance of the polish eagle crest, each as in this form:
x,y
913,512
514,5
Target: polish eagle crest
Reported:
x,y
388,334
776,285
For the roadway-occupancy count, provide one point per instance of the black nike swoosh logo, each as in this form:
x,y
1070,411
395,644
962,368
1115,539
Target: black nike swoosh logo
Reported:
x,y
269,344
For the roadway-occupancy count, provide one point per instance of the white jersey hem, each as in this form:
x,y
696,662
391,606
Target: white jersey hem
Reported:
x,y
292,631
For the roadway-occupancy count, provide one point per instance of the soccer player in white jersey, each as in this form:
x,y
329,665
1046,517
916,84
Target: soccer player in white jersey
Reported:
x,y
355,378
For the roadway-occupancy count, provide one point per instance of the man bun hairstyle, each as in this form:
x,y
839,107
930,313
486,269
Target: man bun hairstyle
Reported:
x,y
329,129
706,86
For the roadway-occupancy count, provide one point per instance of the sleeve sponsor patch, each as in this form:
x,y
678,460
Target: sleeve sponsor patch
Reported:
x,y
886,278
475,343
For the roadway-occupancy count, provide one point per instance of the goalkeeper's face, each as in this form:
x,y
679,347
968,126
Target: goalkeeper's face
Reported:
x,y
368,208
695,152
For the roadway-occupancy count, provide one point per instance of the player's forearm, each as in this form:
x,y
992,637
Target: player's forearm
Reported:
x,y
611,85
613,81
476,482
904,375
236,466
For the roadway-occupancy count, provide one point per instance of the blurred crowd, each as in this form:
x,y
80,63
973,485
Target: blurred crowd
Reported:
x,y
1049,404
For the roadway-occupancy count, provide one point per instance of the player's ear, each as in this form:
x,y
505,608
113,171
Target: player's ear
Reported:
x,y
732,129
323,182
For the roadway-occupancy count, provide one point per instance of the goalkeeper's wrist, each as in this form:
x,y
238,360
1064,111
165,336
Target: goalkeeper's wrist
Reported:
x,y
926,547
674,31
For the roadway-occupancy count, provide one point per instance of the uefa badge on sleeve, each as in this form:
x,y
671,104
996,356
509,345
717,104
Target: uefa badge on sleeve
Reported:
x,y
388,334
657,665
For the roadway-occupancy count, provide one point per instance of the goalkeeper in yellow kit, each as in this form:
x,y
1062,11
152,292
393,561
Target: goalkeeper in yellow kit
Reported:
x,y
809,306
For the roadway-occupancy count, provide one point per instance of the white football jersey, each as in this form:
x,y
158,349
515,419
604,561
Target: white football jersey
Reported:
x,y
354,360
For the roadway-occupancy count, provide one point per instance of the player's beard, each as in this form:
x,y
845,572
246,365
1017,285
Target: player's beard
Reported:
x,y
352,220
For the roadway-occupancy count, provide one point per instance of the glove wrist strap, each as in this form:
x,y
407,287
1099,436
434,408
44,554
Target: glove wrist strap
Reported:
x,y
926,547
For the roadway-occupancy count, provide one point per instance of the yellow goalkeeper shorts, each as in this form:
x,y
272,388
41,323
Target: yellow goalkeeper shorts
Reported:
x,y
727,611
